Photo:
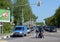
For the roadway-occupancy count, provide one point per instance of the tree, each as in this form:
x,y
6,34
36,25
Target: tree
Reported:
x,y
57,16
4,4
40,23
55,19
50,21
27,13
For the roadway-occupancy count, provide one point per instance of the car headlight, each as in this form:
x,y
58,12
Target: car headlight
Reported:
x,y
21,32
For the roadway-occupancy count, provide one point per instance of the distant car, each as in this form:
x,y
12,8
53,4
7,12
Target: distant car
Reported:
x,y
32,28
28,30
51,28
20,31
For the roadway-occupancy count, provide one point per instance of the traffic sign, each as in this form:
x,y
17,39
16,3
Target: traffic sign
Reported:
x,y
4,15
12,17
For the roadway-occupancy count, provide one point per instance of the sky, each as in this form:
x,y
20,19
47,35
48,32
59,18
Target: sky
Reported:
x,y
45,10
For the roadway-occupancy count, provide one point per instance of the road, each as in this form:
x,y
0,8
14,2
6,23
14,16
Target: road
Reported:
x,y
49,37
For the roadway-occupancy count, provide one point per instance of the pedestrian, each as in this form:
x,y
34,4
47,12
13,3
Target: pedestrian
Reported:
x,y
36,32
41,30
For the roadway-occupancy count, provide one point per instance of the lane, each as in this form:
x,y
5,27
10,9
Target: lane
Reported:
x,y
53,34
3,41
49,37
31,38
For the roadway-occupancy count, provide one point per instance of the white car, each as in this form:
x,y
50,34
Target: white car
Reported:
x,y
28,30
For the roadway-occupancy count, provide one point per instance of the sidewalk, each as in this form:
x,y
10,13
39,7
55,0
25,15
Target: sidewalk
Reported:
x,y
3,41
4,36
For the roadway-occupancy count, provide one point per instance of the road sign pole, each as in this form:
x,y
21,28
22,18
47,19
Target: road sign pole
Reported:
x,y
1,30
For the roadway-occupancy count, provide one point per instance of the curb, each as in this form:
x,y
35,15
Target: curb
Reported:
x,y
4,37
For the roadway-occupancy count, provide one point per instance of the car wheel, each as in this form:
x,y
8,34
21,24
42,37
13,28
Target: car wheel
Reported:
x,y
24,34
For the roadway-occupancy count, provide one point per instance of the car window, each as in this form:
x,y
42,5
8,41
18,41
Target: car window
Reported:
x,y
53,27
27,28
19,28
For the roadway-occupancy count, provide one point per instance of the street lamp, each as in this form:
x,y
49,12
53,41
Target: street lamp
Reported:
x,y
39,3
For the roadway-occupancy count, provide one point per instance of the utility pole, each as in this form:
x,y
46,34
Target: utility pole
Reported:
x,y
22,17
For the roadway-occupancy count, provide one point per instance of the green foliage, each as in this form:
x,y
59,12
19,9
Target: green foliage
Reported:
x,y
4,4
7,28
50,20
55,19
40,23
57,16
27,13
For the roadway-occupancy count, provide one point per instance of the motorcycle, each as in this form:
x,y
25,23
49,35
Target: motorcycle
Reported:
x,y
40,35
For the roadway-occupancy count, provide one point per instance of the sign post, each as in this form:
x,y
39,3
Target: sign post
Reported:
x,y
0,27
4,17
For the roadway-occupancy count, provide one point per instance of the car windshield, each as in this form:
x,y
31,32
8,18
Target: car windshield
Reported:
x,y
53,27
27,28
19,28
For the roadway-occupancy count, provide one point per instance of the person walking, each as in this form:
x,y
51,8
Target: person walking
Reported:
x,y
41,32
36,32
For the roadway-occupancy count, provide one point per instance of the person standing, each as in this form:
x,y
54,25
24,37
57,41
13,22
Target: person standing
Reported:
x,y
41,32
36,32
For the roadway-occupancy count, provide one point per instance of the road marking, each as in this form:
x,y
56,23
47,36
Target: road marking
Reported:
x,y
3,41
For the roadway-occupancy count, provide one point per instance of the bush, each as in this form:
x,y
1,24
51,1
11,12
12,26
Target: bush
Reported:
x,y
7,28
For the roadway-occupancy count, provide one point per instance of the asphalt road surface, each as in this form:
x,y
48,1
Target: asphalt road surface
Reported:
x,y
49,37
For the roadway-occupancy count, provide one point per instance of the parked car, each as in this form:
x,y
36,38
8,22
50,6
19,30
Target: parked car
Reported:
x,y
51,28
20,31
32,28
28,30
